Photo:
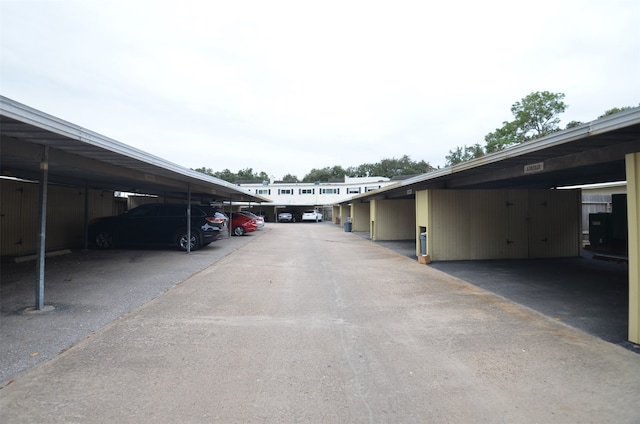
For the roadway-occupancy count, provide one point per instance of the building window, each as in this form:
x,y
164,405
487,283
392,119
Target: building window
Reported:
x,y
329,191
285,191
371,188
353,190
263,191
307,191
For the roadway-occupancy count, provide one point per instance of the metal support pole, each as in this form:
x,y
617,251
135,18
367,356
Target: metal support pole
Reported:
x,y
42,227
188,218
230,215
86,217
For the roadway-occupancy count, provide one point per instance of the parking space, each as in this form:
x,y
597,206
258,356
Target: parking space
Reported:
x,y
86,290
588,293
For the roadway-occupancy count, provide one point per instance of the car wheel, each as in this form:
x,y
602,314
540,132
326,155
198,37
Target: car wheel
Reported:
x,y
182,242
105,240
239,231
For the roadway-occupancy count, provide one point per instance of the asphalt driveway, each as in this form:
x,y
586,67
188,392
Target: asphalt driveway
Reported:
x,y
338,329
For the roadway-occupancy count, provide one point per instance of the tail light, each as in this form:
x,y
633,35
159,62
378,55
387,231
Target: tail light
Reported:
x,y
214,220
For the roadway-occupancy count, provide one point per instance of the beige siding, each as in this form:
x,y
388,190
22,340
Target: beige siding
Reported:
x,y
65,216
19,212
395,219
373,208
496,224
632,163
486,235
451,226
516,204
337,214
422,209
360,217
423,222
554,229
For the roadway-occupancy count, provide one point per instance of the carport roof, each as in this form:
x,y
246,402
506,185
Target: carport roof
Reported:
x,y
80,157
587,154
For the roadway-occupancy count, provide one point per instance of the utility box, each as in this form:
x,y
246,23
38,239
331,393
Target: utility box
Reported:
x,y
619,222
600,229
423,243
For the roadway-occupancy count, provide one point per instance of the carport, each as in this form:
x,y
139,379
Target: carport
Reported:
x,y
508,205
66,161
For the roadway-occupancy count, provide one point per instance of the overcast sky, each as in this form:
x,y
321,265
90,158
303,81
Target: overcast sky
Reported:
x,y
285,87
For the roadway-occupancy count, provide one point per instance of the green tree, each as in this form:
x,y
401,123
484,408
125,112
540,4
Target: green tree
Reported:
x,y
535,116
462,154
614,110
362,170
404,166
573,124
325,174
390,168
226,175
204,170
290,178
502,137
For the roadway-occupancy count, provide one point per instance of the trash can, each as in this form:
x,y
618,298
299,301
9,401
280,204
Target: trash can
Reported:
x,y
423,243
347,226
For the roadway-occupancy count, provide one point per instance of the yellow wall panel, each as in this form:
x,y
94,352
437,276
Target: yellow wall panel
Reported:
x,y
497,224
360,217
395,219
65,216
633,213
554,229
451,225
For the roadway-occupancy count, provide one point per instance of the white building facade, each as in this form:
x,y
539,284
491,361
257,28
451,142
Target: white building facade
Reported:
x,y
298,197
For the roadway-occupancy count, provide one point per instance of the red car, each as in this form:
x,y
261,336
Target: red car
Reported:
x,y
242,224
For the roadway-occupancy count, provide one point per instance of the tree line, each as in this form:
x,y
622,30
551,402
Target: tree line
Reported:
x,y
385,168
535,116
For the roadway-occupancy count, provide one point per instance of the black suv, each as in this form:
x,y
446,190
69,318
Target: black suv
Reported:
x,y
158,224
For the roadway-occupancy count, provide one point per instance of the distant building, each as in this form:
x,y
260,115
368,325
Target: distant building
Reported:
x,y
321,196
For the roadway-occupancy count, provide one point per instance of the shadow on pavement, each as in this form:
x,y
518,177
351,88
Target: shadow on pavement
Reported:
x,y
586,293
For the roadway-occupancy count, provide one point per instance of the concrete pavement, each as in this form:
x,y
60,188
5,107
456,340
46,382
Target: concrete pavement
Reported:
x,y
309,324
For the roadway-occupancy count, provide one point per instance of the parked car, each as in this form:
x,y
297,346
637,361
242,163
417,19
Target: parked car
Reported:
x,y
222,220
157,224
259,219
311,215
242,224
286,217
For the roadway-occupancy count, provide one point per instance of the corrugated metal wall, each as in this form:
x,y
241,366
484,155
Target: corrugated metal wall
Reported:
x,y
423,219
395,220
360,216
65,216
19,217
450,235
632,164
496,224
555,223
